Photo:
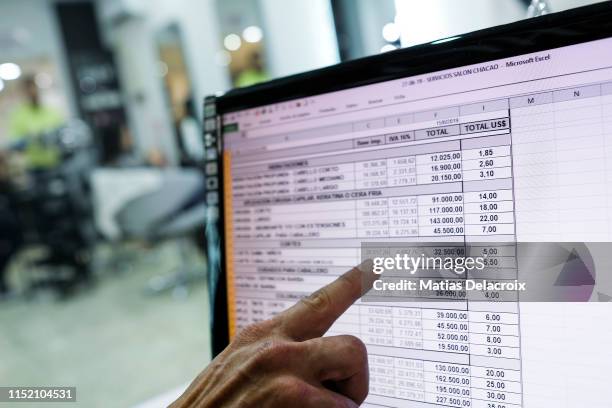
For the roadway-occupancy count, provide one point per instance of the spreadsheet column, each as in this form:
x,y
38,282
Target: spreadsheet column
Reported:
x,y
490,233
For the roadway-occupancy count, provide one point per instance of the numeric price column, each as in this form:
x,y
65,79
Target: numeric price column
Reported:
x,y
490,233
487,186
447,331
440,171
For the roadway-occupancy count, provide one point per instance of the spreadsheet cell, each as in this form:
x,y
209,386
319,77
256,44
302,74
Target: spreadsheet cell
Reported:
x,y
489,207
488,404
495,373
496,396
493,317
477,328
501,218
485,153
495,339
491,384
487,195
486,163
489,229
487,173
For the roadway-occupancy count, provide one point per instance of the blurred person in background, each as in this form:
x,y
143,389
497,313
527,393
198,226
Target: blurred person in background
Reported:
x,y
10,232
156,158
254,73
190,140
29,122
128,156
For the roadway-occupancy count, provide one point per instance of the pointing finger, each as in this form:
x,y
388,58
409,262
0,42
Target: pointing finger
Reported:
x,y
312,316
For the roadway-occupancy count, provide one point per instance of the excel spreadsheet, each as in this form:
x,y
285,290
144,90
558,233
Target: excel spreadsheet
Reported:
x,y
503,151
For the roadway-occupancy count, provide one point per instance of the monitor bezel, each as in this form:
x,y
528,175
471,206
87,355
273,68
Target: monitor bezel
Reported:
x,y
575,26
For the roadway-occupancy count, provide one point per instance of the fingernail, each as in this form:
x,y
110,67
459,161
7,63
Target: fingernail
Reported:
x,y
368,277
366,266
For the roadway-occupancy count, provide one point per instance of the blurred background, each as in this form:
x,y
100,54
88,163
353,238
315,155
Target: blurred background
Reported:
x,y
103,281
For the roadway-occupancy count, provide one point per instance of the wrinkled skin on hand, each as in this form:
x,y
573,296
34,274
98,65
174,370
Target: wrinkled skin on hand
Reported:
x,y
284,362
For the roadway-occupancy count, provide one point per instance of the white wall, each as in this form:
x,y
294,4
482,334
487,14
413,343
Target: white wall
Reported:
x,y
198,22
560,5
425,21
299,35
373,15
130,27
148,117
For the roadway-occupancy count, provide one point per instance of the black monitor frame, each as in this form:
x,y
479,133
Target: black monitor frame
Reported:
x,y
551,31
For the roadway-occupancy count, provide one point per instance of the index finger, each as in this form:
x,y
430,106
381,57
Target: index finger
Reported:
x,y
312,316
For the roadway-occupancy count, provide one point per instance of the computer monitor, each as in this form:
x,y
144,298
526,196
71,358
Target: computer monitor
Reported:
x,y
503,134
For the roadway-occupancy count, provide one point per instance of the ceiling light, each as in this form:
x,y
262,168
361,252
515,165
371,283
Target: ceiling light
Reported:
x,y
232,42
390,32
252,34
9,71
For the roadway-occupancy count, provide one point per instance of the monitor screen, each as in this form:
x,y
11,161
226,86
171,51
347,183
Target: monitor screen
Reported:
x,y
508,150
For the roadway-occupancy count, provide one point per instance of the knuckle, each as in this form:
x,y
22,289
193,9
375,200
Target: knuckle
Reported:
x,y
273,353
356,349
318,301
253,332
293,389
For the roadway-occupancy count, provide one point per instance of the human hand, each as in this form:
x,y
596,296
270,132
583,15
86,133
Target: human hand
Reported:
x,y
284,362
